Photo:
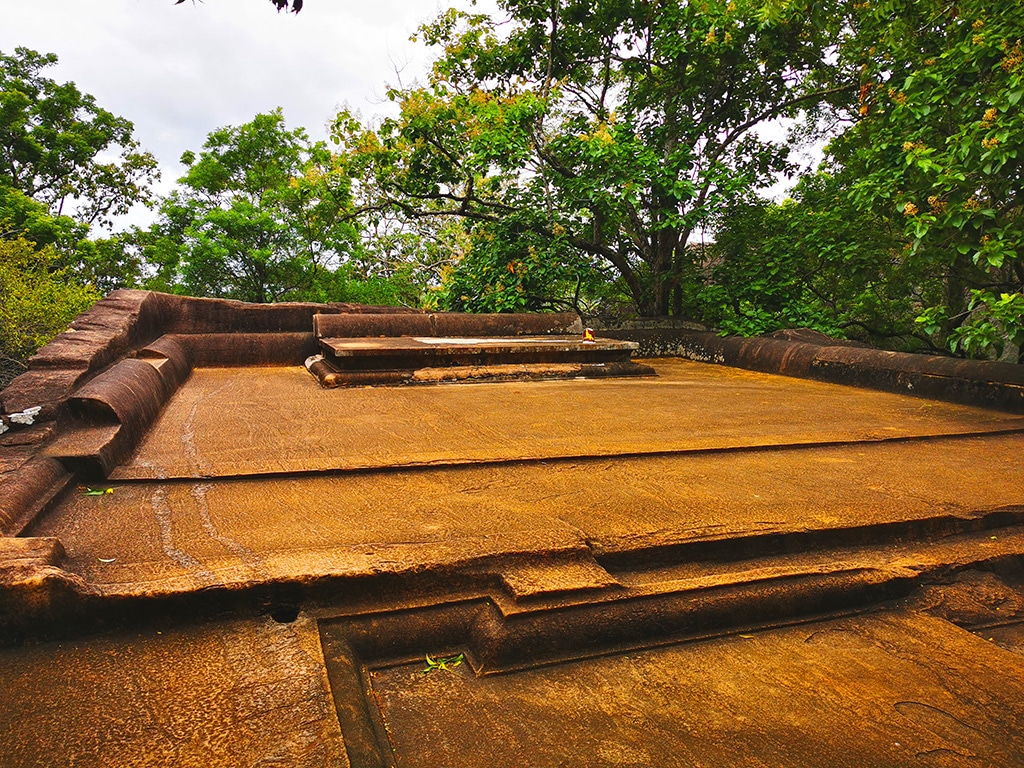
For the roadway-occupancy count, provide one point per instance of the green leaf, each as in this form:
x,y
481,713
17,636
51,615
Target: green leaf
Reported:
x,y
442,663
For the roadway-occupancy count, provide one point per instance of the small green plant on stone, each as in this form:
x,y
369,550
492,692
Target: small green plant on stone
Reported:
x,y
443,662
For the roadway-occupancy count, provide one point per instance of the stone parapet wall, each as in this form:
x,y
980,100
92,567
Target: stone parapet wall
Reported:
x,y
811,355
445,324
86,377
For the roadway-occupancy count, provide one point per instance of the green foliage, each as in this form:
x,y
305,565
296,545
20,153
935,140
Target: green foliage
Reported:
x,y
21,216
443,663
566,156
68,165
815,261
939,148
63,151
610,131
511,268
37,301
261,215
347,283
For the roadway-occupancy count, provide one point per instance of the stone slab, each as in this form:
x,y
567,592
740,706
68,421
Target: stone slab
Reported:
x,y
890,689
198,532
430,346
401,353
219,695
227,421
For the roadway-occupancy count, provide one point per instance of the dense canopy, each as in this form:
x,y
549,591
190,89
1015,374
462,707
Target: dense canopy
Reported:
x,y
619,158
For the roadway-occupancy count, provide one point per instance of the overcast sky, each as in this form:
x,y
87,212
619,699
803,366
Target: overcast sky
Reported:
x,y
180,71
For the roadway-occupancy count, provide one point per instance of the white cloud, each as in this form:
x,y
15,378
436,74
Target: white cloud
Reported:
x,y
179,72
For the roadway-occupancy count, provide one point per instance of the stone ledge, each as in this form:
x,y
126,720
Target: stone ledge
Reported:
x,y
969,382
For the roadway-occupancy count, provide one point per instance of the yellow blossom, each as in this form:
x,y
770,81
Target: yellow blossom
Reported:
x,y
909,209
1014,56
990,143
603,135
990,115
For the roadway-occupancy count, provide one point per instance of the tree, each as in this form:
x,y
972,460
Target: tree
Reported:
x,y
21,216
261,215
816,261
37,301
63,151
608,129
939,146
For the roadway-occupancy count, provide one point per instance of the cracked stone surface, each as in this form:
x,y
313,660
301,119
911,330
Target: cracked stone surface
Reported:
x,y
221,693
890,689
231,421
547,508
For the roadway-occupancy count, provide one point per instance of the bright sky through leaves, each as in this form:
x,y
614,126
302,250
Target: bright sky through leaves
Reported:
x,y
179,72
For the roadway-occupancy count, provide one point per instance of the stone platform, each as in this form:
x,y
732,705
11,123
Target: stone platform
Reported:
x,y
711,566
489,349
413,352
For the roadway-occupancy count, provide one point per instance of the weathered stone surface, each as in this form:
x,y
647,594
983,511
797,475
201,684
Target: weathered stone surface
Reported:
x,y
79,349
181,314
21,436
218,695
325,325
46,388
110,414
247,349
446,324
410,353
29,490
889,689
973,599
101,334
555,573
986,384
172,358
120,314
291,424
13,456
532,372
33,587
32,552
663,570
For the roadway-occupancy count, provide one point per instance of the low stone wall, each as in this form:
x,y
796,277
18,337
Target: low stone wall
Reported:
x,y
446,324
807,354
91,402
87,377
